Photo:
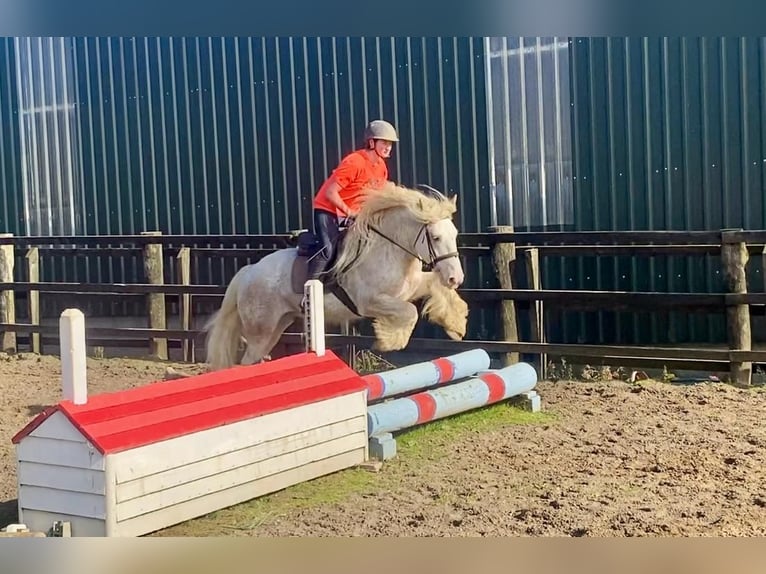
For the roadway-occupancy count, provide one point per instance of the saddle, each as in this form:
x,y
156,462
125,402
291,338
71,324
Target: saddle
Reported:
x,y
308,246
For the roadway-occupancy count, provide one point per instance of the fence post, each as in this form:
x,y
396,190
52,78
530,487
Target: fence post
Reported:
x,y
503,256
7,300
33,303
536,309
734,257
184,264
154,271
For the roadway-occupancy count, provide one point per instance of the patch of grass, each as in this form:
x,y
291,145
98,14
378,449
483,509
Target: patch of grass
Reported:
x,y
329,489
366,362
426,442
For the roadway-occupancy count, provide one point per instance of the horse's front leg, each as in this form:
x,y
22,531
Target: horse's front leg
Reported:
x,y
392,319
442,306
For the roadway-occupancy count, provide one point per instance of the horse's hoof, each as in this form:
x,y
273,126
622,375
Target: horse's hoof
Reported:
x,y
384,347
455,336
389,347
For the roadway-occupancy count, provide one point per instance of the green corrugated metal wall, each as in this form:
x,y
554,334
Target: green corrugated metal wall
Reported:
x,y
668,134
230,135
12,206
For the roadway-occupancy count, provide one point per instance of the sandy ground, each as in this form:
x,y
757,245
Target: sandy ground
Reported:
x,y
613,459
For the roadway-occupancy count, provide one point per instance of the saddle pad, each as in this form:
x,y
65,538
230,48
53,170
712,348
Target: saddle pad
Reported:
x,y
300,273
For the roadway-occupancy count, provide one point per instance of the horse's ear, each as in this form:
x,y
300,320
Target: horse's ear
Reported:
x,y
453,199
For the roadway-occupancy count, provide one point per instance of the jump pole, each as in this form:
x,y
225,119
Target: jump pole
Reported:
x,y
485,389
426,374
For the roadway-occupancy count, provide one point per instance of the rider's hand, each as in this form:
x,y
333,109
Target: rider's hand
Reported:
x,y
347,219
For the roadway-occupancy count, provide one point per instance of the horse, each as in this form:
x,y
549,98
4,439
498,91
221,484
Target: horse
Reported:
x,y
377,274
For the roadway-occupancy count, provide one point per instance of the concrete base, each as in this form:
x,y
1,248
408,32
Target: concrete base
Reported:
x,y
529,401
383,447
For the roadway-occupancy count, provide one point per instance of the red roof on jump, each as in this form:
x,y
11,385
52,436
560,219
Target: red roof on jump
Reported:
x,y
118,421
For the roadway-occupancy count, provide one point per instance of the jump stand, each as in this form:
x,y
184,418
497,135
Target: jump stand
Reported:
x,y
133,462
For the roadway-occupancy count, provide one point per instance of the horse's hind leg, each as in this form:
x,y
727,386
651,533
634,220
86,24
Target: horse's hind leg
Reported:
x,y
261,340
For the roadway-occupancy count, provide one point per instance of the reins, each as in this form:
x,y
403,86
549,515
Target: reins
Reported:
x,y
429,265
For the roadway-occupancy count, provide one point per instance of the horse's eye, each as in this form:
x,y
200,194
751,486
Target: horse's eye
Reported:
x,y
436,238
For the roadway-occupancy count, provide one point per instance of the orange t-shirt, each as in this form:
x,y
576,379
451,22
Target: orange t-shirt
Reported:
x,y
354,173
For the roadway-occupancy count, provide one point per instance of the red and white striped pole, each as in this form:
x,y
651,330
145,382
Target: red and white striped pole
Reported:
x,y
485,389
426,374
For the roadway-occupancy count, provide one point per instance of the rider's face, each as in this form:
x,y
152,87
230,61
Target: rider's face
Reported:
x,y
383,148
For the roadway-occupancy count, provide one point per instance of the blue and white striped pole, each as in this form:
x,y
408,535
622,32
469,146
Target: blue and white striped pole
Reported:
x,y
426,374
487,388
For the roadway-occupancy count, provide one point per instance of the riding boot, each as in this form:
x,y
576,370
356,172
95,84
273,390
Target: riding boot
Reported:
x,y
317,266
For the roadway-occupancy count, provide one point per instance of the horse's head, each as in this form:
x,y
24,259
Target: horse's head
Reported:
x,y
438,245
416,223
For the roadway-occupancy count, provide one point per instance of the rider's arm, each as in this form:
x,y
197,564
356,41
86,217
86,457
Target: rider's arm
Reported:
x,y
334,197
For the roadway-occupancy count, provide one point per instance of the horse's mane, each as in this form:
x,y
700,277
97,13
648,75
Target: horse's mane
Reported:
x,y
380,202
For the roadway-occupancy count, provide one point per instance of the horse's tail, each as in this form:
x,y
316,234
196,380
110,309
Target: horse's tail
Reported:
x,y
224,329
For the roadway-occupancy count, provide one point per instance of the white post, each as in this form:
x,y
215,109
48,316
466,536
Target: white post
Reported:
x,y
313,318
73,365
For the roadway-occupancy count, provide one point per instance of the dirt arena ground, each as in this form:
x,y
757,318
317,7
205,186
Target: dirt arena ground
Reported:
x,y
606,459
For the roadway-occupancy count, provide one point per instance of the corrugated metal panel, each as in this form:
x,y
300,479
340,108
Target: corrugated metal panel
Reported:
x,y
12,201
48,135
530,136
234,135
668,134
530,132
169,129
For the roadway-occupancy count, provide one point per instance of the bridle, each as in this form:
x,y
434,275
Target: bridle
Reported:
x,y
433,257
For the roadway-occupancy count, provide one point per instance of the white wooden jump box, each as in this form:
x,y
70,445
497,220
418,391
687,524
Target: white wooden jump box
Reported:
x,y
133,462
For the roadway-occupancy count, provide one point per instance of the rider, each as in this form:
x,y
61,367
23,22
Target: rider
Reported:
x,y
340,196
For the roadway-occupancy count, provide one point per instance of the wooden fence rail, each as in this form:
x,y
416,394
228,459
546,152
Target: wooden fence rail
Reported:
x,y
734,247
